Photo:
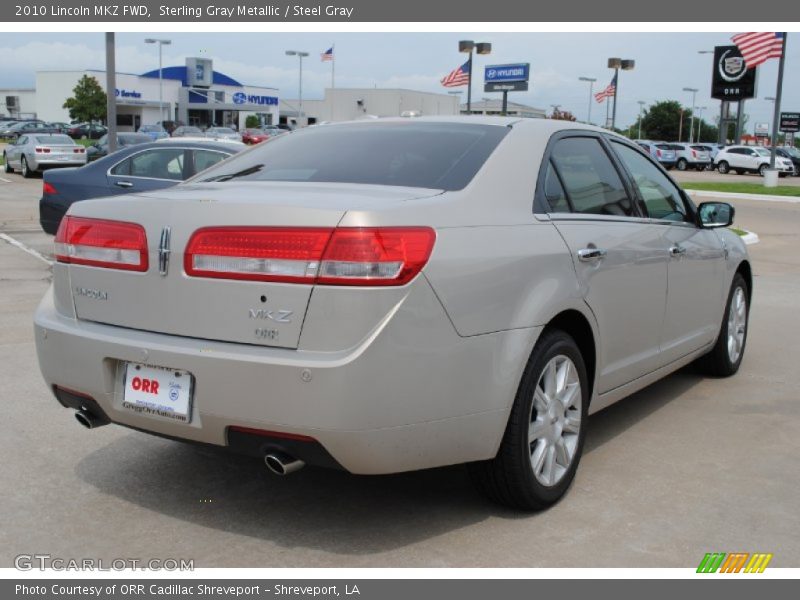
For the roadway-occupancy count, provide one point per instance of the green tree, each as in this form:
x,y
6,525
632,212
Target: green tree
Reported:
x,y
252,121
662,121
88,102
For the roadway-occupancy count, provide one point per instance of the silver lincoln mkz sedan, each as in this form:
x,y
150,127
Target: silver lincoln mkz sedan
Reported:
x,y
394,295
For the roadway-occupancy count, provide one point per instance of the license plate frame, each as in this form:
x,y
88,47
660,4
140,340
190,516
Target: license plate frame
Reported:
x,y
173,398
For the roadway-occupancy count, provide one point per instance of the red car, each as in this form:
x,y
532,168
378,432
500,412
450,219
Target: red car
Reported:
x,y
254,136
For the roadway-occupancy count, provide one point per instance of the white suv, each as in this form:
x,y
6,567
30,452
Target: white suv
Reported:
x,y
750,159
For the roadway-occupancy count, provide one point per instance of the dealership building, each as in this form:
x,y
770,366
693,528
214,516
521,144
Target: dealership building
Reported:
x,y
193,93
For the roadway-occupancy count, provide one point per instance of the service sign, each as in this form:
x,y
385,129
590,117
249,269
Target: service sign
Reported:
x,y
506,73
790,122
731,80
511,86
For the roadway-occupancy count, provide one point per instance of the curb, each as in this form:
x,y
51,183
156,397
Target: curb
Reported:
x,y
764,197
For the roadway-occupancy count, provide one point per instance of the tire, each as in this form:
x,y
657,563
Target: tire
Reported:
x,y
762,170
26,171
6,167
722,361
509,477
682,164
723,167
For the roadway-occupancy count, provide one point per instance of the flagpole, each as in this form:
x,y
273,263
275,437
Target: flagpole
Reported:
x,y
777,116
333,80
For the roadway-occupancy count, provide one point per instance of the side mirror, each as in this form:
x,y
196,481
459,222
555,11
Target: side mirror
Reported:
x,y
712,215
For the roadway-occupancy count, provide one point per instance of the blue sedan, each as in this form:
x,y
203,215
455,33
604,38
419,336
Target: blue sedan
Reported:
x,y
138,168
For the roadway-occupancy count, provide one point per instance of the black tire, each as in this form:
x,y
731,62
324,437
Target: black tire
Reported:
x,y
723,167
509,478
762,170
6,167
26,171
682,164
718,361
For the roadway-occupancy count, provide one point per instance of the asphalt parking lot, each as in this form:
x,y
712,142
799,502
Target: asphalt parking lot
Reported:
x,y
687,466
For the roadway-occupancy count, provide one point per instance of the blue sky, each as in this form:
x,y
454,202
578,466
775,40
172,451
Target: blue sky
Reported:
x,y
665,63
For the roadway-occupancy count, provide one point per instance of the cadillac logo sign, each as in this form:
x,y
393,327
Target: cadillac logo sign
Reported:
x,y
731,79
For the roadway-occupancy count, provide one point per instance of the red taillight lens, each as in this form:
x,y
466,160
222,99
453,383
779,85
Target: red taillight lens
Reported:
x,y
101,243
40,150
658,153
79,150
47,188
694,154
345,256
379,256
285,254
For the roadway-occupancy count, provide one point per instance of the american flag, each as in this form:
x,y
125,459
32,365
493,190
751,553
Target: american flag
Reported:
x,y
457,77
758,47
327,56
608,92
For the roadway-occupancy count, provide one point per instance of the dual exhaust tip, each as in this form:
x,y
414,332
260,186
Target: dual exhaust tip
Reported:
x,y
278,462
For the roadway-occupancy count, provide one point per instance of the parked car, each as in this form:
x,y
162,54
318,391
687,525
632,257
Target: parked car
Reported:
x,y
187,131
222,133
31,153
660,151
87,131
750,159
792,154
133,168
60,126
100,148
170,126
27,128
155,132
348,296
691,156
254,136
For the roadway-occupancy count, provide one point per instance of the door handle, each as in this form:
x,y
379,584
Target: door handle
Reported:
x,y
590,254
123,184
677,250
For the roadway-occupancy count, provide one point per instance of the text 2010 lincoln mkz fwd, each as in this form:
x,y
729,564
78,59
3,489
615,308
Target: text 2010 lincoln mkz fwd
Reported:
x,y
395,295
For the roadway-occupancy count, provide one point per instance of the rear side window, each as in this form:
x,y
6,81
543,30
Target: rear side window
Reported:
x,y
415,154
166,163
554,191
204,159
590,179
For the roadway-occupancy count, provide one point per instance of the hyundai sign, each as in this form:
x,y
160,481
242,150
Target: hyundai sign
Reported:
x,y
242,98
507,73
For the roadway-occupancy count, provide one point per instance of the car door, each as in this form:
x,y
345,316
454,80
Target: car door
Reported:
x,y
696,258
148,169
14,151
617,254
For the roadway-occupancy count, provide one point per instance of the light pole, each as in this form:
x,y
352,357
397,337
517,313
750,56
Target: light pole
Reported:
x,y
591,81
691,121
626,64
770,99
699,132
467,46
161,43
300,55
641,104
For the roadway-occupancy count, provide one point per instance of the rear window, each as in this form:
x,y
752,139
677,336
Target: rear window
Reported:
x,y
667,147
410,154
54,139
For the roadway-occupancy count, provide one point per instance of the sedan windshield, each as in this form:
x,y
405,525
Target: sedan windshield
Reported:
x,y
430,155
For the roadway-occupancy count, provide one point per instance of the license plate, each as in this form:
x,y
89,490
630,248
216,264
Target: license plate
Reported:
x,y
158,392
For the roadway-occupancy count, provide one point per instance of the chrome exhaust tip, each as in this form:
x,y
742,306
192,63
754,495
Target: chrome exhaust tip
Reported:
x,y
88,420
281,463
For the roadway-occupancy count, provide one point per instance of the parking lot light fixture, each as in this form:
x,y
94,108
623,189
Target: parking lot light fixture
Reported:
x,y
468,47
691,121
625,64
641,104
161,43
300,55
591,81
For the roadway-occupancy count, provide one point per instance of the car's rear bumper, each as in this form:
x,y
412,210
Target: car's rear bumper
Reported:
x,y
414,395
43,162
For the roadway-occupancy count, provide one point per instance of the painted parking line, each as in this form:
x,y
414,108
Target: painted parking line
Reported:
x,y
17,244
4,180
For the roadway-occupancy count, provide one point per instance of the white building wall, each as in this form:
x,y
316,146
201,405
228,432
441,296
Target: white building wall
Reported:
x,y
26,102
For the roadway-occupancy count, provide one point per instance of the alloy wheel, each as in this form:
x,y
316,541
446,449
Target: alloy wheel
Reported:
x,y
555,420
737,324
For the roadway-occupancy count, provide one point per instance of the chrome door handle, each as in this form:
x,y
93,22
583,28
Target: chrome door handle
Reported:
x,y
123,184
589,254
677,250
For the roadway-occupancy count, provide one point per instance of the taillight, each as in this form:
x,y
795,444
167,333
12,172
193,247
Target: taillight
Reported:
x,y
101,243
47,188
344,256
79,150
694,154
40,150
658,153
